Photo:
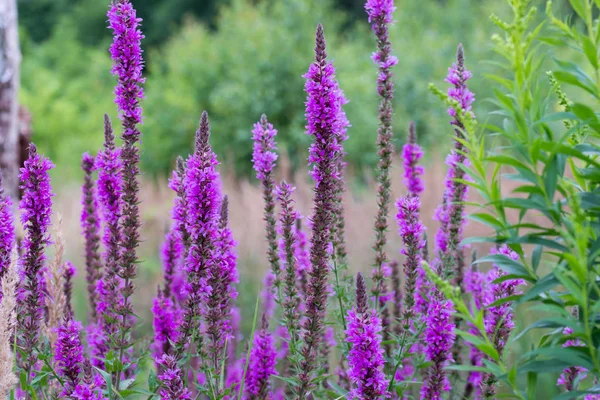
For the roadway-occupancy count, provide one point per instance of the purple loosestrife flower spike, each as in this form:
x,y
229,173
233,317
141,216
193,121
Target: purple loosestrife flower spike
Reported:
x,y
451,213
411,154
223,278
69,271
171,252
326,123
88,388
126,53
365,359
439,339
287,220
172,386
167,317
203,195
263,158
261,365
110,186
90,223
7,232
36,209
396,287
179,212
498,320
411,232
69,355
450,258
477,286
380,14
302,258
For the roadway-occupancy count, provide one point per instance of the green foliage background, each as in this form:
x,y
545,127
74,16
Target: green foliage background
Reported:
x,y
238,59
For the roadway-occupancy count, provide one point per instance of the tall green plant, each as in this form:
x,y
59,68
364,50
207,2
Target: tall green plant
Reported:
x,y
550,219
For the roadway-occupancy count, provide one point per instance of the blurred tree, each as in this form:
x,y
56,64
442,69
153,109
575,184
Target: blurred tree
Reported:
x,y
10,63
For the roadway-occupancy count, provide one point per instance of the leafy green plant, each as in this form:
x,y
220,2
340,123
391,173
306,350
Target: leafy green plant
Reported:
x,y
550,159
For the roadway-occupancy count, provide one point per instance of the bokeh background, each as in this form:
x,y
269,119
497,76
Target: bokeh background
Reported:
x,y
238,59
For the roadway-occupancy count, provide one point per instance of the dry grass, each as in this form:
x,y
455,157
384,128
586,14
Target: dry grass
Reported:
x,y
56,300
8,321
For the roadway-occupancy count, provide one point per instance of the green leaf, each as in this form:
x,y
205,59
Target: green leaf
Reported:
x,y
572,355
590,51
579,8
551,177
541,286
531,385
542,366
107,379
340,391
571,79
536,257
576,394
545,323
587,115
487,219
507,264
466,368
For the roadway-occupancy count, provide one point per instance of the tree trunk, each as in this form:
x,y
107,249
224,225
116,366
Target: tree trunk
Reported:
x,y
10,60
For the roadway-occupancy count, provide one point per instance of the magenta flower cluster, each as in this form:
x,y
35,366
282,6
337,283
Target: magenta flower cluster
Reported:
x,y
365,358
264,155
126,52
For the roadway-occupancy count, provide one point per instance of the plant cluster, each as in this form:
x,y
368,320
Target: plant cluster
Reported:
x,y
430,326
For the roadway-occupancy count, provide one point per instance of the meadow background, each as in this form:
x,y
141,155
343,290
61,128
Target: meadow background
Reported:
x,y
238,59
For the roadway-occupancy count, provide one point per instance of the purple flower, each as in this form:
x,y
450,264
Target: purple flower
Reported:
x,y
450,257
570,375
458,77
69,354
380,14
7,232
411,154
167,317
477,286
69,271
235,372
36,209
327,125
110,187
380,11
439,339
411,231
223,278
203,197
327,122
268,294
177,243
302,255
179,211
498,320
90,224
126,53
365,359
88,391
263,158
288,224
171,384
261,365
171,252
